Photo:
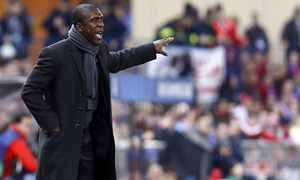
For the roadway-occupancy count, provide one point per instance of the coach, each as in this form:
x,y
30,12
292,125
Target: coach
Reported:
x,y
68,93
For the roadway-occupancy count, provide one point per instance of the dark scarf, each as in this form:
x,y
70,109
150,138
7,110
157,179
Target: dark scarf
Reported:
x,y
89,65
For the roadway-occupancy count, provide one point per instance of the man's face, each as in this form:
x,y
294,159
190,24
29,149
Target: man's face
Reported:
x,y
25,126
92,26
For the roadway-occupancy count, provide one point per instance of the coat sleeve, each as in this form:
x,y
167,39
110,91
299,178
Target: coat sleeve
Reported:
x,y
127,58
34,89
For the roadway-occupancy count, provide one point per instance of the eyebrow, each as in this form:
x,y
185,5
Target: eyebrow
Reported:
x,y
97,17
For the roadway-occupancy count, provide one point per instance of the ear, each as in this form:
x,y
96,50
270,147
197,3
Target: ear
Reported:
x,y
79,27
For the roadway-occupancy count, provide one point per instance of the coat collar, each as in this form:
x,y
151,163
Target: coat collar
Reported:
x,y
76,58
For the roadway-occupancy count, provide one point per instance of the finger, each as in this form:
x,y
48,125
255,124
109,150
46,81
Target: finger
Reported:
x,y
165,43
164,53
169,39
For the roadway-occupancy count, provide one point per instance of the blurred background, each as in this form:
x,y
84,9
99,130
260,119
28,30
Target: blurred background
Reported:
x,y
223,105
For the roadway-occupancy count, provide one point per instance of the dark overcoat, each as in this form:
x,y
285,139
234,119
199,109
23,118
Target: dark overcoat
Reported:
x,y
55,94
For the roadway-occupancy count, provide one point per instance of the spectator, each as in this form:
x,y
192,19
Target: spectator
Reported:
x,y
155,172
266,89
224,157
293,63
171,70
17,23
226,35
5,120
170,174
207,34
236,172
194,161
7,50
260,63
187,70
267,131
288,102
136,175
239,172
229,90
179,66
246,119
273,130
250,83
121,134
220,112
136,157
296,80
280,74
235,137
228,146
58,22
258,40
13,146
187,122
225,28
185,29
164,128
291,30
114,28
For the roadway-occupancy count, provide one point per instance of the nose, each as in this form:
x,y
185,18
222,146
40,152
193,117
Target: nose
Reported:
x,y
101,24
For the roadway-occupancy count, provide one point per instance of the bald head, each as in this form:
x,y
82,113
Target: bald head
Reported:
x,y
81,12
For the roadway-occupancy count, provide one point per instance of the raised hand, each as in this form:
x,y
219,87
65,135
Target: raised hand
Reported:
x,y
159,44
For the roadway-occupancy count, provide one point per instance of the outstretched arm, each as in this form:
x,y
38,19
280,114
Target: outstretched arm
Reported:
x,y
137,55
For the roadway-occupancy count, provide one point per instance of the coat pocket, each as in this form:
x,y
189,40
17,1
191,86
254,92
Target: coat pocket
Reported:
x,y
52,157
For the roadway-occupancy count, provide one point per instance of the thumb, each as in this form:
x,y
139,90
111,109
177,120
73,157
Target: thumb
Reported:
x,y
164,53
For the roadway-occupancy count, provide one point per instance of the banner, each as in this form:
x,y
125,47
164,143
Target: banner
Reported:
x,y
209,70
208,65
133,87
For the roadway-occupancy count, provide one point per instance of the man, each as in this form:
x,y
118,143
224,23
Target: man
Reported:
x,y
258,40
291,32
58,22
194,161
68,94
13,146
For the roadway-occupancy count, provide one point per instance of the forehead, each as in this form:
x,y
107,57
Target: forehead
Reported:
x,y
91,13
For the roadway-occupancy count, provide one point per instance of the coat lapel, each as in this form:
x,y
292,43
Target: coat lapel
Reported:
x,y
102,69
76,58
103,85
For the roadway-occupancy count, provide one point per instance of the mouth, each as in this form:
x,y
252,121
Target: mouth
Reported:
x,y
99,35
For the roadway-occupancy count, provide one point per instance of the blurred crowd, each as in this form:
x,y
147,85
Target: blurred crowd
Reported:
x,y
259,98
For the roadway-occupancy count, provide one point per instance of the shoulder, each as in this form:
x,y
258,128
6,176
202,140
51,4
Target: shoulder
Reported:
x,y
56,49
58,45
290,23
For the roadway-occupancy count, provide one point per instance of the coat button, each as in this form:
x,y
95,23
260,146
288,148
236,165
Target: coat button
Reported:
x,y
77,126
79,109
81,93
